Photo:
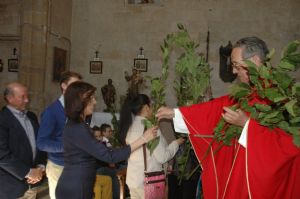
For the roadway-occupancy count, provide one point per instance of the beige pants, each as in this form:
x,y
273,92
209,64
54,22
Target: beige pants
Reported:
x,y
53,172
136,193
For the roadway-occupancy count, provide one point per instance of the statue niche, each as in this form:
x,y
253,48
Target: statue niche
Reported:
x,y
225,63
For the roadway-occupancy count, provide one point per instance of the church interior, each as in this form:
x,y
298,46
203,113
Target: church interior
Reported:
x,y
68,34
107,39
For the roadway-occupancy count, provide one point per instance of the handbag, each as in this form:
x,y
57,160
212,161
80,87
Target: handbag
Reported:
x,y
154,182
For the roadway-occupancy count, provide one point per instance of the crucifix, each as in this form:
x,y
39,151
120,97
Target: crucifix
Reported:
x,y
97,56
141,53
141,50
14,51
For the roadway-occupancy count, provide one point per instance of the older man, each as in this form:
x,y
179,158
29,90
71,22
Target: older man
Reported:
x,y
263,163
21,163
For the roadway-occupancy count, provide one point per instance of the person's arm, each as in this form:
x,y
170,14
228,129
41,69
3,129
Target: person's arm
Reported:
x,y
46,140
164,152
83,139
148,135
175,114
8,162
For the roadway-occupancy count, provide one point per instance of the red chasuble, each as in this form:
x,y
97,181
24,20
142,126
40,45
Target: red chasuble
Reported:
x,y
269,168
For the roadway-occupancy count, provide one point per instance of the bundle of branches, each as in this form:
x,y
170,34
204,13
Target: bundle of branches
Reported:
x,y
193,80
275,86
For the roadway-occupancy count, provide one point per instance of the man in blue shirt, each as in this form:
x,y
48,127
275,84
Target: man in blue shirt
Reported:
x,y
49,139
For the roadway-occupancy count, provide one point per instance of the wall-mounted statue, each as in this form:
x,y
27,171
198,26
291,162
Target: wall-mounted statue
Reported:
x,y
225,63
135,80
108,93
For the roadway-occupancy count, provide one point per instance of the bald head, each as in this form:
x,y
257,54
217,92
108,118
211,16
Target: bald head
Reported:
x,y
16,95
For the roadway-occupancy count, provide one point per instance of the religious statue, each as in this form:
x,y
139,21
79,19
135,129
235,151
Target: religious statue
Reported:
x,y
108,93
135,80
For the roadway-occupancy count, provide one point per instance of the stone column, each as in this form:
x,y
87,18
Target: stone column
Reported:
x,y
34,40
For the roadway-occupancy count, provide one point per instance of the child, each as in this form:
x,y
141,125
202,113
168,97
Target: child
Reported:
x,y
103,184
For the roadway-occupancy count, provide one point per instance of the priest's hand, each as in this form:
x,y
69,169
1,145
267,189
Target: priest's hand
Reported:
x,y
164,112
180,141
238,117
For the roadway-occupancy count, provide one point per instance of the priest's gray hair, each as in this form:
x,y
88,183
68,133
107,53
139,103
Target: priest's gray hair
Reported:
x,y
253,46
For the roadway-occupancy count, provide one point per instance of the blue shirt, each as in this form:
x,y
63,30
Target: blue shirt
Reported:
x,y
49,139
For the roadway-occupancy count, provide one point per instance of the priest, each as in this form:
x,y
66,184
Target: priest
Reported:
x,y
263,163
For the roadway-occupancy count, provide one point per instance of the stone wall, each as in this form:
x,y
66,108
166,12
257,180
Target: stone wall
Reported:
x,y
117,30
37,26
9,39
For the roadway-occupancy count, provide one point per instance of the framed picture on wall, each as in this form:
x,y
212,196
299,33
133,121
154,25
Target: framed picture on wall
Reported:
x,y
13,65
59,63
141,64
96,67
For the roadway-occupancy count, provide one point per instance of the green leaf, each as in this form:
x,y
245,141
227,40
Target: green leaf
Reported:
x,y
240,90
151,145
290,107
271,53
286,65
283,79
272,93
279,99
294,59
295,120
292,47
284,125
252,67
295,131
264,72
296,89
263,107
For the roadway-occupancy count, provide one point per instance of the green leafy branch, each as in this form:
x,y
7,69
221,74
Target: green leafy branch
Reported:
x,y
193,80
277,88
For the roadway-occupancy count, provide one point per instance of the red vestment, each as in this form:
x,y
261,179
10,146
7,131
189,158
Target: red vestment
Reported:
x,y
269,168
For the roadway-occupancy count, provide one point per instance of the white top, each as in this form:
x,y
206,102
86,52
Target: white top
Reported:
x,y
161,154
180,126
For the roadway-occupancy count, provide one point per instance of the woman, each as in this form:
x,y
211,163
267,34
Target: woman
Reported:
x,y
82,149
130,129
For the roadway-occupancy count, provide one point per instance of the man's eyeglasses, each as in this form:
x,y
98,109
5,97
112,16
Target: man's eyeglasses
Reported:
x,y
238,66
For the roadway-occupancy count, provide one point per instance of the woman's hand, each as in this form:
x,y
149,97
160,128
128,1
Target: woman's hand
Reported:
x,y
238,117
150,133
165,112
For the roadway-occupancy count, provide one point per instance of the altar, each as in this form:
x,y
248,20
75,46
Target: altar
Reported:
x,y
98,118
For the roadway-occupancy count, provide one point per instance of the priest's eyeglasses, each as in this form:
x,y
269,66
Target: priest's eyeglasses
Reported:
x,y
238,66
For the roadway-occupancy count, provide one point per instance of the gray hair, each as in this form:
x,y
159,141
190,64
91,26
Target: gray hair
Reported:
x,y
253,46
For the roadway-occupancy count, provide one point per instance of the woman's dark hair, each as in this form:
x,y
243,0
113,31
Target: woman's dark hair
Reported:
x,y
130,106
77,97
